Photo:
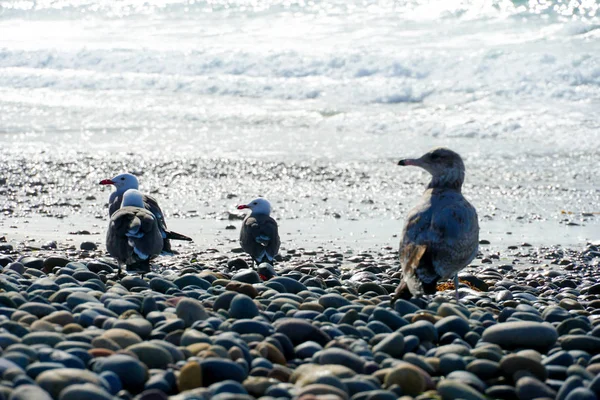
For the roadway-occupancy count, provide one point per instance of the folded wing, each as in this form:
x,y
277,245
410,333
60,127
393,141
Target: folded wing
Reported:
x,y
259,237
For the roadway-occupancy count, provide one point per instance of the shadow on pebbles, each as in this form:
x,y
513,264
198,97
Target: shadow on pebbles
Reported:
x,y
205,326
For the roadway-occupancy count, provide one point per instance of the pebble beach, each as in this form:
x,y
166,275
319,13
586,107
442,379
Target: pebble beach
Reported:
x,y
309,104
202,325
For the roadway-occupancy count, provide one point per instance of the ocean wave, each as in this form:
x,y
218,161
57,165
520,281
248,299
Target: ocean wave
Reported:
x,y
215,85
283,64
410,77
405,9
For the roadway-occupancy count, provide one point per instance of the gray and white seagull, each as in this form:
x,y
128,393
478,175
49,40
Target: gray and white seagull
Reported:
x,y
124,182
259,235
441,233
133,236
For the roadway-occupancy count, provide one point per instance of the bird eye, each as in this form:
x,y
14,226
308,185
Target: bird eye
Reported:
x,y
255,203
123,178
435,156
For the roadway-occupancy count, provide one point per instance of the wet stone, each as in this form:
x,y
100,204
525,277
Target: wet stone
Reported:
x,y
452,389
586,343
242,307
529,388
524,334
89,246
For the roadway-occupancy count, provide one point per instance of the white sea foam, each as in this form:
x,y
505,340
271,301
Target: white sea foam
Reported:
x,y
332,79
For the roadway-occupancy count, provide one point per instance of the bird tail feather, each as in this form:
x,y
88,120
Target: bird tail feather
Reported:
x,y
177,236
412,256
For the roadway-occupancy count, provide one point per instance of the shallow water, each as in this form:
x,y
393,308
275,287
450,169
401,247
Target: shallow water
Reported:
x,y
343,89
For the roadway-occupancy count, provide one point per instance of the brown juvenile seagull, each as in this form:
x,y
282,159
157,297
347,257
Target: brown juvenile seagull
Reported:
x,y
133,236
259,235
441,233
123,183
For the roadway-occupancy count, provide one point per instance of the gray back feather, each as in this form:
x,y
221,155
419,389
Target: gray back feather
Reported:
x,y
132,232
256,229
114,203
446,223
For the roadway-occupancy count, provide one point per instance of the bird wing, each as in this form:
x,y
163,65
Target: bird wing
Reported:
x,y
114,203
259,237
117,242
415,251
454,236
133,235
152,205
149,241
440,238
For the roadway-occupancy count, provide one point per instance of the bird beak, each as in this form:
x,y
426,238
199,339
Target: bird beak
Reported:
x,y
242,206
409,161
106,182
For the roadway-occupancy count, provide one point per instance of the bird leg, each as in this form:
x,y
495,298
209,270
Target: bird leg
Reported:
x,y
402,292
456,283
119,271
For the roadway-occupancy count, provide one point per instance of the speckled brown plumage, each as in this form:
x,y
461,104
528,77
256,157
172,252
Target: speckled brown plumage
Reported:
x,y
441,233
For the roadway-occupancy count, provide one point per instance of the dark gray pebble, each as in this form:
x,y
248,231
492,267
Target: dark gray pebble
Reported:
x,y
586,343
341,357
525,334
29,392
89,246
529,388
299,331
242,307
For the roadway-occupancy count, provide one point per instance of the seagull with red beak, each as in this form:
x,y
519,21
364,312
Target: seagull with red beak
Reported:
x,y
124,182
259,236
441,233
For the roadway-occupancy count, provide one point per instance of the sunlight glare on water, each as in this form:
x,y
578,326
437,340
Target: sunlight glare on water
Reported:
x,y
351,79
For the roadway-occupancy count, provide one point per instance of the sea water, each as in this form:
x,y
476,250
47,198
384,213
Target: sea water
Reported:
x,y
514,86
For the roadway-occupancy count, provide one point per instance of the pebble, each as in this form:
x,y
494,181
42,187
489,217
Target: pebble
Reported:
x,y
85,391
341,357
217,370
317,389
190,376
132,372
190,311
521,334
299,331
242,306
246,276
152,355
451,389
586,343
122,337
89,246
55,380
139,326
529,388
29,392
513,363
408,377
392,344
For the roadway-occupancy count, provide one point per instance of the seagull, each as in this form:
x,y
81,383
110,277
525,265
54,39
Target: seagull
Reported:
x,y
259,235
133,236
124,182
441,233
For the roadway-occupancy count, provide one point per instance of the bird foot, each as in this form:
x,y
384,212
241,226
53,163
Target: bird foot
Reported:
x,y
119,274
402,292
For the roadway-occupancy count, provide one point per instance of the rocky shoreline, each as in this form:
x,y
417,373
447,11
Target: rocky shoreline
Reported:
x,y
203,325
